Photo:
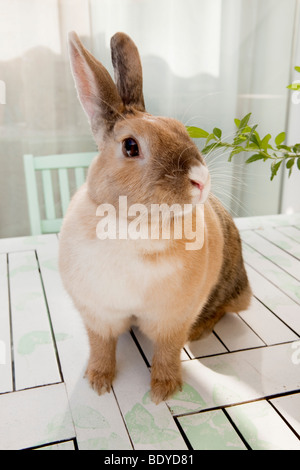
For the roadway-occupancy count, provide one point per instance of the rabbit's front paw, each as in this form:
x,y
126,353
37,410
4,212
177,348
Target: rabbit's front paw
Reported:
x,y
100,381
163,389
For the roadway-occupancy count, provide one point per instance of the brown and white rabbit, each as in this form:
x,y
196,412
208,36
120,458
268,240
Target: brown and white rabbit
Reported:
x,y
172,293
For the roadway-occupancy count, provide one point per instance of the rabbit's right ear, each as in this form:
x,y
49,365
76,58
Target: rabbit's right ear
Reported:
x,y
128,71
96,90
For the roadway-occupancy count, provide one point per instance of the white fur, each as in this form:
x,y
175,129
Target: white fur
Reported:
x,y
123,276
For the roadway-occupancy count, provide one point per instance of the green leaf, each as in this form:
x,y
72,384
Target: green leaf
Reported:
x,y
284,147
296,148
254,138
196,132
210,148
297,68
252,146
239,140
235,152
294,86
298,163
274,168
254,158
237,122
280,138
245,130
265,142
290,162
244,121
209,138
217,132
253,132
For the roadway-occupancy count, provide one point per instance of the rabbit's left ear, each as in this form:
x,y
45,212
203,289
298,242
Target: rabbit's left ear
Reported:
x,y
97,92
128,71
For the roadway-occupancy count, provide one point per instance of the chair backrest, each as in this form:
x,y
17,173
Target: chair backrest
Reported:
x,y
46,166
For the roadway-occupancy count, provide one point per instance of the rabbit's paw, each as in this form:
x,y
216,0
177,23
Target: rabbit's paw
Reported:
x,y
100,381
163,389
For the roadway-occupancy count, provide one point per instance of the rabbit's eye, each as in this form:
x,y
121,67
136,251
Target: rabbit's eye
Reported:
x,y
130,148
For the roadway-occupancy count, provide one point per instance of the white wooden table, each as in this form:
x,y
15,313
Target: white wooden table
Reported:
x,y
241,384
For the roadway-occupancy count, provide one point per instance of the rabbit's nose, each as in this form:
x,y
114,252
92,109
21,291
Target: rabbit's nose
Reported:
x,y
198,184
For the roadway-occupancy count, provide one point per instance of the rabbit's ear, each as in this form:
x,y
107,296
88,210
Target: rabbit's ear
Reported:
x,y
128,71
96,90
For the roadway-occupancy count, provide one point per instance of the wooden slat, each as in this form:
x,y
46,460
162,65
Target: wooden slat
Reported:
x,y
71,160
6,379
291,232
262,427
262,221
32,195
289,407
34,352
269,328
64,189
281,258
282,241
48,194
236,334
79,177
211,430
208,346
275,300
283,281
34,417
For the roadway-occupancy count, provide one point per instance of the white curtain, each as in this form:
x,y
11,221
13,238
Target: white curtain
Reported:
x,y
205,62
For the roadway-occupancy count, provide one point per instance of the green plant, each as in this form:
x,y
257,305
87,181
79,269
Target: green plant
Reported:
x,y
247,139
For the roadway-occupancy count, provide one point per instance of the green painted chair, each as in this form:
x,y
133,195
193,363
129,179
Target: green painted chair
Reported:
x,y
46,164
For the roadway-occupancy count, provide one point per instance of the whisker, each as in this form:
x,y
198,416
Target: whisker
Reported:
x,y
234,199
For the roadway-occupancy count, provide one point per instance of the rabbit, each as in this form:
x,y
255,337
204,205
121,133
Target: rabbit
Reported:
x,y
173,294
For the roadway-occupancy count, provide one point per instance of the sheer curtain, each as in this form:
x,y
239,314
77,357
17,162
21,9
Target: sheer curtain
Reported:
x,y
205,62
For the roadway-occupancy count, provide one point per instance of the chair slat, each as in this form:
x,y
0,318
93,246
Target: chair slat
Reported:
x,y
32,195
79,177
69,160
48,194
64,188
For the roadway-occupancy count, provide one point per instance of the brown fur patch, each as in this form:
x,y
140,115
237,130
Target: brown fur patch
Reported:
x,y
232,291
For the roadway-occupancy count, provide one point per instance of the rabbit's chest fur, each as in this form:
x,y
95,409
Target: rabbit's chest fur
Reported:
x,y
106,275
116,277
